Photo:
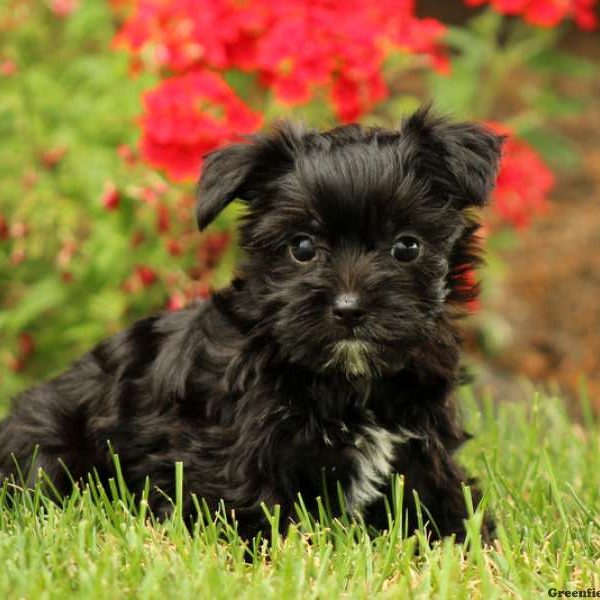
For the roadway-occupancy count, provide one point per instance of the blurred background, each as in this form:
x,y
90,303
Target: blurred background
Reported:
x,y
106,107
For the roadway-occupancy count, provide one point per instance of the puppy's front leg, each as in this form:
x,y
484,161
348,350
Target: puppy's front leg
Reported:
x,y
437,480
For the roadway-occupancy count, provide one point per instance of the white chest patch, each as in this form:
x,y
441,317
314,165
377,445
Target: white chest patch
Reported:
x,y
374,464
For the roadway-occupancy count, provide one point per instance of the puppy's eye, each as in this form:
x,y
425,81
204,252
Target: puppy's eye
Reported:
x,y
302,248
406,248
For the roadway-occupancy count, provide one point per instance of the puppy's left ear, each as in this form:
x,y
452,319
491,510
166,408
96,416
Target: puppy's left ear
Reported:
x,y
461,158
224,173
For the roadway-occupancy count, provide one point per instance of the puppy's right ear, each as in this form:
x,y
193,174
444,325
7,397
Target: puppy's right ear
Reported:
x,y
224,173
242,170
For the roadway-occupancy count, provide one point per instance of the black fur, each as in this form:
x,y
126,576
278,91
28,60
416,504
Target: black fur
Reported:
x,y
252,389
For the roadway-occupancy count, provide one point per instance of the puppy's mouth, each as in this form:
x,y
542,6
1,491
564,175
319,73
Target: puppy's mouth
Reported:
x,y
353,356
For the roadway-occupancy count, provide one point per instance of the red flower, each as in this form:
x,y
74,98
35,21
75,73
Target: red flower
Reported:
x,y
189,115
466,287
212,248
202,291
8,68
4,228
17,256
174,247
63,8
163,221
137,239
111,197
26,344
127,154
523,183
424,36
146,275
546,13
183,35
216,243
65,255
585,15
51,157
176,301
25,350
351,98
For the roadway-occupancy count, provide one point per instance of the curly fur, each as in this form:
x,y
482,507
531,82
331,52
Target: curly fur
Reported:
x,y
258,390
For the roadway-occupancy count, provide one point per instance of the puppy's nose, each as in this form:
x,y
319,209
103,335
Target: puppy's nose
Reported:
x,y
347,309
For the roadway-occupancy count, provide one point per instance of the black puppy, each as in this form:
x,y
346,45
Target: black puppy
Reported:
x,y
332,356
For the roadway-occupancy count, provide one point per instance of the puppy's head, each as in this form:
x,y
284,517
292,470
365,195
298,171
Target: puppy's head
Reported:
x,y
355,238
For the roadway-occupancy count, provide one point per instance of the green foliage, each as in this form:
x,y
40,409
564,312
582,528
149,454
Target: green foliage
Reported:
x,y
67,262
66,99
505,60
541,473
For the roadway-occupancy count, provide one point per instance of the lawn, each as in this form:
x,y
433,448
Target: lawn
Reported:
x,y
541,472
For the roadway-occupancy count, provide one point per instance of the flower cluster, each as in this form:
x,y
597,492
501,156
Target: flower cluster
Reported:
x,y
523,183
546,13
315,45
189,115
297,49
179,35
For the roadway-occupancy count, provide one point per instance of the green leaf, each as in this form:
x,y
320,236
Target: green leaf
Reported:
x,y
42,297
551,104
487,24
465,40
243,84
395,108
554,147
553,61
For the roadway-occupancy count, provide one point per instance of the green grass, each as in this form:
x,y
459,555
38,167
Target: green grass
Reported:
x,y
540,470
